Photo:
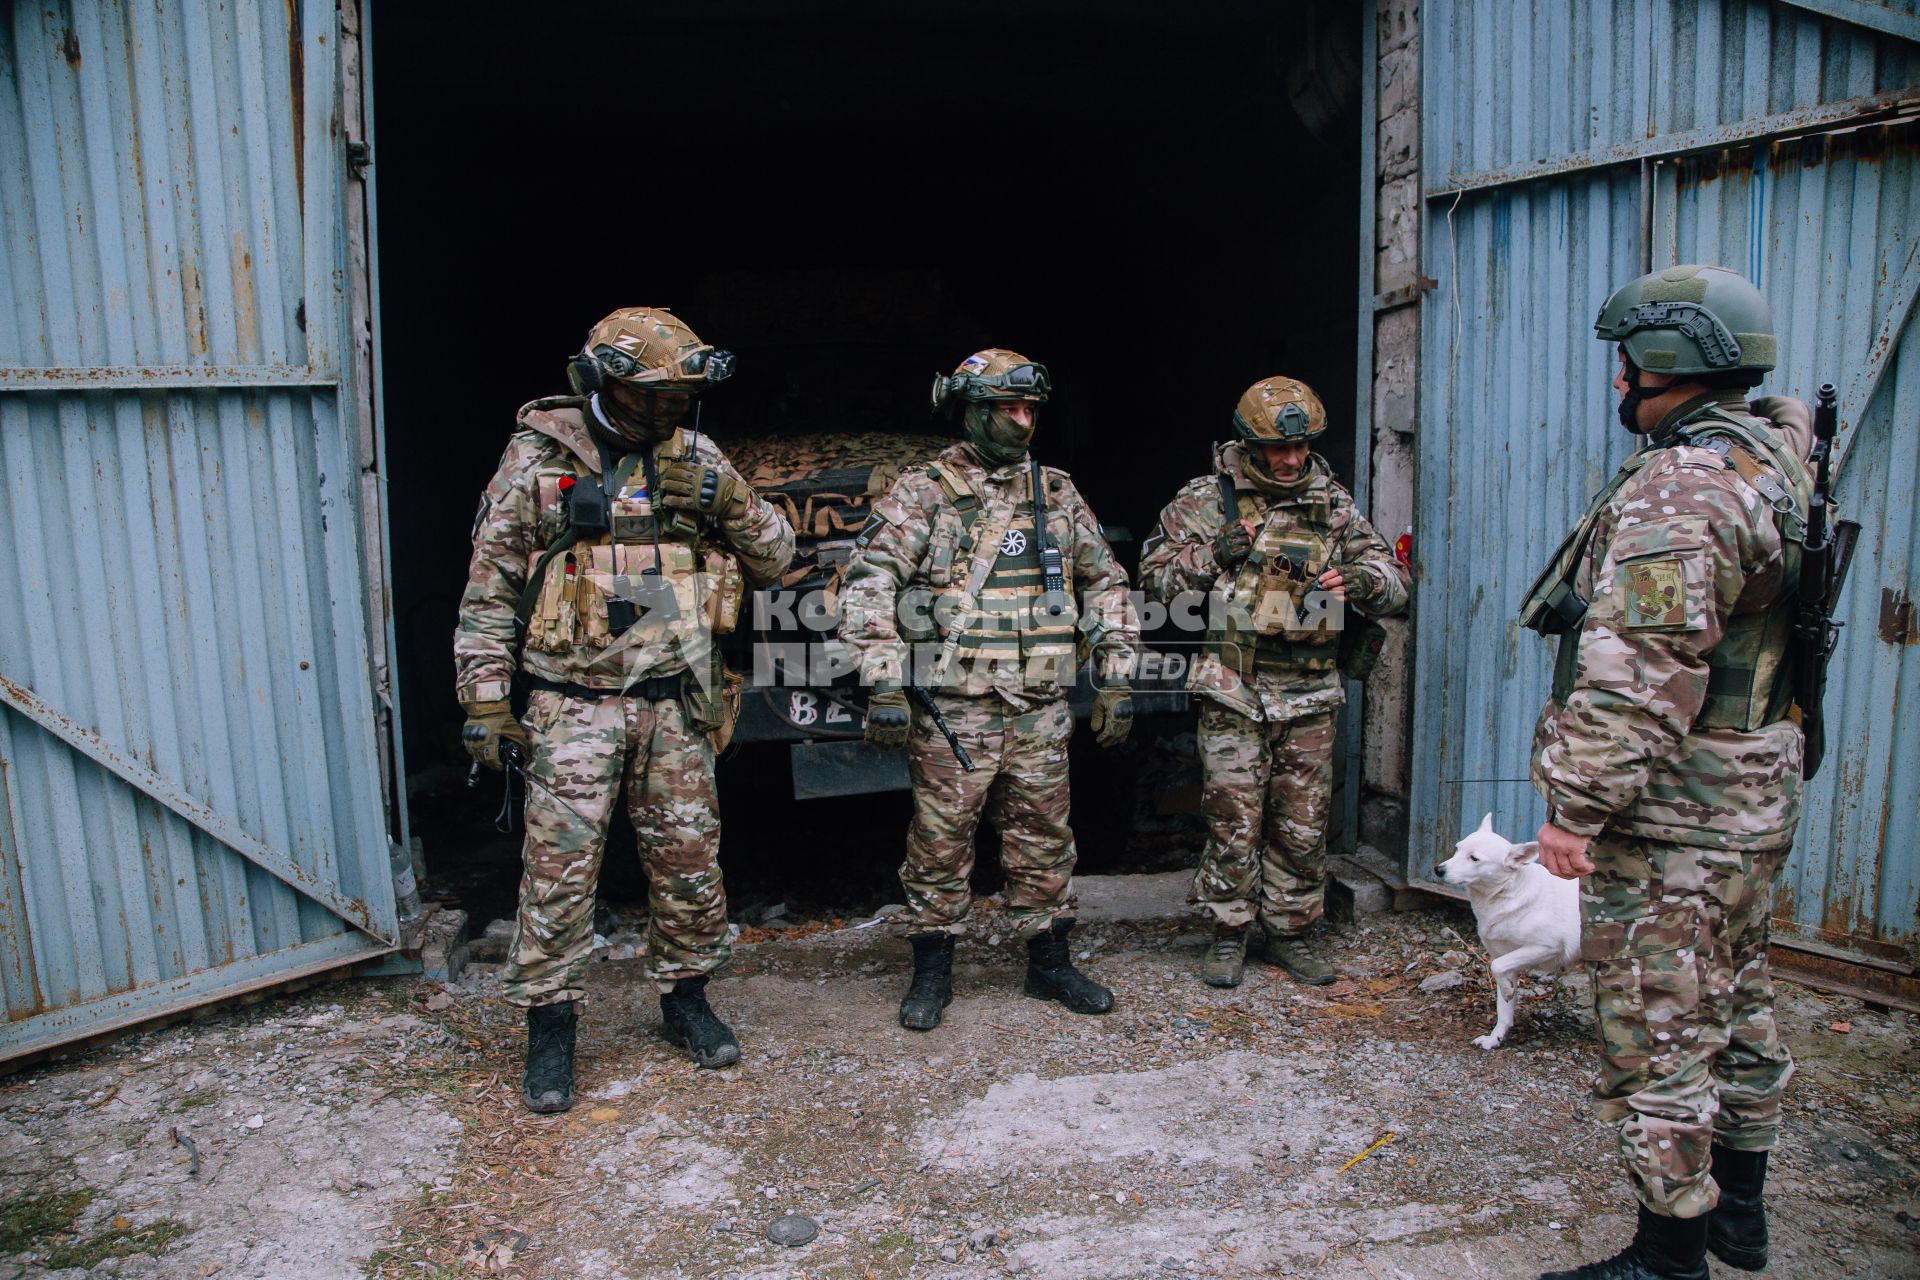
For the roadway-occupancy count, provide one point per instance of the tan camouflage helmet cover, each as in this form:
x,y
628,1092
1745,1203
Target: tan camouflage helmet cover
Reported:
x,y
650,346
1279,409
993,374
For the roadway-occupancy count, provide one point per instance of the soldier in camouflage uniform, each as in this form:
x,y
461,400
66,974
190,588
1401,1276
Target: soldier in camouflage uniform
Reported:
x,y
1671,765
949,587
1275,543
610,548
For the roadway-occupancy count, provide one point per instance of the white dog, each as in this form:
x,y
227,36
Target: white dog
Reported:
x,y
1529,918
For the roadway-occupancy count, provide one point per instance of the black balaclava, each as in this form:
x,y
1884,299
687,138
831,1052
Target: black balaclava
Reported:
x,y
627,427
1630,402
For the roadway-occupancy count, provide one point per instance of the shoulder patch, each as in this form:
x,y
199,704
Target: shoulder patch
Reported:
x,y
1656,588
886,511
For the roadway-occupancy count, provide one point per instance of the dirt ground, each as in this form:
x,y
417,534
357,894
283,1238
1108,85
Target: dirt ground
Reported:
x,y
374,1129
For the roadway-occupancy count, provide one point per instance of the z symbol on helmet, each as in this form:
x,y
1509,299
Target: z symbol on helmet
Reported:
x,y
1014,543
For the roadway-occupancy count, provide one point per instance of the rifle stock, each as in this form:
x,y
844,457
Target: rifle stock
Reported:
x,y
1823,560
932,708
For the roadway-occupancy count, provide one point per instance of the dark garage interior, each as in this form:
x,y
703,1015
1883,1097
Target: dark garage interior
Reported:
x,y
1158,202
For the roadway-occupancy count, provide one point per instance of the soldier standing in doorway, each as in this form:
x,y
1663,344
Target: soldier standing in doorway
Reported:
x,y
1670,763
992,566
611,546
1279,549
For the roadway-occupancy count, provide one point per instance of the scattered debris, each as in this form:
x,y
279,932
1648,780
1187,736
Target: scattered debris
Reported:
x,y
1378,1143
1191,1131
793,1230
193,1152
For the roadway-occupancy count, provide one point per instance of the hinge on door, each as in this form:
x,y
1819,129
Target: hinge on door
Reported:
x,y
359,157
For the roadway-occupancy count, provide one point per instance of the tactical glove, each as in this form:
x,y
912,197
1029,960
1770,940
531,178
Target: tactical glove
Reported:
x,y
694,486
888,719
1232,545
488,725
1112,714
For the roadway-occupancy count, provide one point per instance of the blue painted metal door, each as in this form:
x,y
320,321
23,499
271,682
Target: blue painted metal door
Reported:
x,y
1568,148
190,799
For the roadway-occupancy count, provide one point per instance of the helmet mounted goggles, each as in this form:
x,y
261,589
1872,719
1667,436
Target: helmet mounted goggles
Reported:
x,y
699,365
1020,382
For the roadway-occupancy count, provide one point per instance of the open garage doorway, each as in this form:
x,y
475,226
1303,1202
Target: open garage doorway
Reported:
x,y
1158,202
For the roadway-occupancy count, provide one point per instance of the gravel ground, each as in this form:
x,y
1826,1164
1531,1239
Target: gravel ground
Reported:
x,y
1271,1130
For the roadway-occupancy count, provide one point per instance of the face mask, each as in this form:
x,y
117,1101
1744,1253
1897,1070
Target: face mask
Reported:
x,y
1630,402
652,419
996,436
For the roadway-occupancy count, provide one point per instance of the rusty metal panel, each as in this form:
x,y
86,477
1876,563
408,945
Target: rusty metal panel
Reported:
x,y
1828,225
187,743
1518,90
1517,425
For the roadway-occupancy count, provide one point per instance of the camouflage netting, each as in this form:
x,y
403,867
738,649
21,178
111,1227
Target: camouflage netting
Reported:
x,y
825,484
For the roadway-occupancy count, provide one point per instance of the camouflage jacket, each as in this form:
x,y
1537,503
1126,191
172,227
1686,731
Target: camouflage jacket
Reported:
x,y
1178,560
890,577
1683,545
524,510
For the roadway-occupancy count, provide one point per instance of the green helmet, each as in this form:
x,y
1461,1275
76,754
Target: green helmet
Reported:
x,y
1691,320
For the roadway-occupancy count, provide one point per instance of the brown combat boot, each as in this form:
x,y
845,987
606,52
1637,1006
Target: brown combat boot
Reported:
x,y
1290,952
1226,962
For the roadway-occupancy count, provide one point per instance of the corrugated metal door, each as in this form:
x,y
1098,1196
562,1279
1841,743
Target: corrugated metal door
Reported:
x,y
1568,148
190,801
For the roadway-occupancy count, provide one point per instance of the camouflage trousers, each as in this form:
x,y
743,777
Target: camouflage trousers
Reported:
x,y
583,748
1675,938
1268,788
1019,783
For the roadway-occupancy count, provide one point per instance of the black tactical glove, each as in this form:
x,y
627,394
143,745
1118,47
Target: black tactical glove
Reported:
x,y
488,725
1232,545
888,719
692,485
1112,714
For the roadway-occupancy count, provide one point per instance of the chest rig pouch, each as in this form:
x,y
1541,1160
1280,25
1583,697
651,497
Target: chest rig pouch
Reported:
x,y
1275,616
617,564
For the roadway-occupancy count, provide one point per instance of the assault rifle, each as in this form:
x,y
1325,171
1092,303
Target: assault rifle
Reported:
x,y
1825,554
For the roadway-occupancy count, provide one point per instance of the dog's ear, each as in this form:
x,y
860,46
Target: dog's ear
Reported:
x,y
1486,826
1519,855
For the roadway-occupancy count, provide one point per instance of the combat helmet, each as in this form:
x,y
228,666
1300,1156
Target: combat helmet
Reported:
x,y
993,374
1692,320
648,347
1279,409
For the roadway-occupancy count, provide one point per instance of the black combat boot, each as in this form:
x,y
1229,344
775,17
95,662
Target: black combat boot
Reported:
x,y
1737,1226
932,988
548,1083
1663,1248
1051,975
687,1020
